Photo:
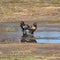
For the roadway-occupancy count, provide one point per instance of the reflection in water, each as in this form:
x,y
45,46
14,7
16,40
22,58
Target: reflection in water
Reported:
x,y
16,33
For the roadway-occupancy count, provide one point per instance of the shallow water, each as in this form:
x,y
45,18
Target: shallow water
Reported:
x,y
44,35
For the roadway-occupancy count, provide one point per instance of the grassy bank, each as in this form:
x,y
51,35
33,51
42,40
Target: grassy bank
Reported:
x,y
41,10
25,51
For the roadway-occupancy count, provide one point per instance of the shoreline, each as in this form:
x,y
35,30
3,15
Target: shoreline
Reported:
x,y
29,51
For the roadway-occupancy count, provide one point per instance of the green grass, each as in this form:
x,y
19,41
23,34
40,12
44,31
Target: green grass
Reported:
x,y
27,58
33,58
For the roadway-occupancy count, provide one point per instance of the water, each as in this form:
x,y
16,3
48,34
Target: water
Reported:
x,y
44,35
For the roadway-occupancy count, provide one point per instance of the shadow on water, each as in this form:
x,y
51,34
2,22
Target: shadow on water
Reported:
x,y
12,31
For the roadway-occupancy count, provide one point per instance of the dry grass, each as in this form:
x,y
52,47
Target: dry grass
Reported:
x,y
29,51
15,11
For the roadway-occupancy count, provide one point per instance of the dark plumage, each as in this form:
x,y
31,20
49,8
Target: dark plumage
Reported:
x,y
28,32
33,28
24,27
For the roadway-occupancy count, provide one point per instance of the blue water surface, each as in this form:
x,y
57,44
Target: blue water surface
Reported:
x,y
44,34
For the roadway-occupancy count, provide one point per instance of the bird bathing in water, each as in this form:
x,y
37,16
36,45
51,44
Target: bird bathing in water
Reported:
x,y
28,32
